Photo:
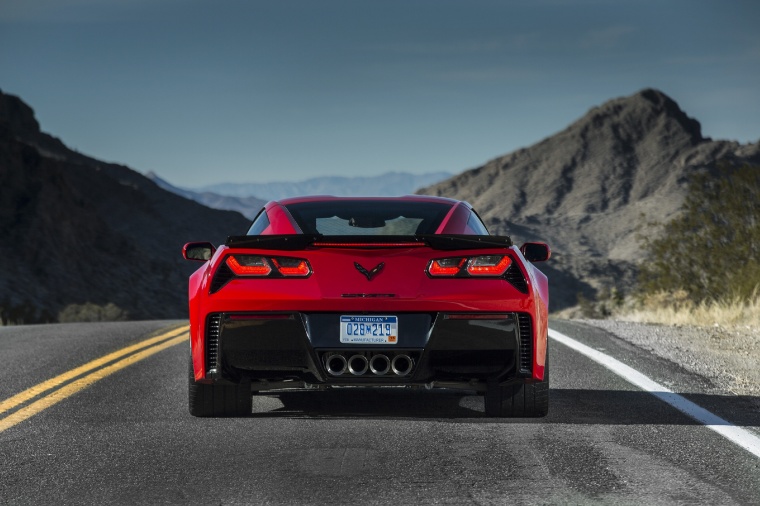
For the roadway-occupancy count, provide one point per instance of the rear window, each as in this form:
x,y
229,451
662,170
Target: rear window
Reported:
x,y
260,223
369,217
475,226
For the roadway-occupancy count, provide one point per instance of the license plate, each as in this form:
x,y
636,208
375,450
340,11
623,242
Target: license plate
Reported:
x,y
369,329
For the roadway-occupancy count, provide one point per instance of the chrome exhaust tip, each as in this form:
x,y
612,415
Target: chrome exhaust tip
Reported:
x,y
358,365
380,364
402,365
335,364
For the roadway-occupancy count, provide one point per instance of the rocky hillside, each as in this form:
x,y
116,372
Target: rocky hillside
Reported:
x,y
74,229
589,189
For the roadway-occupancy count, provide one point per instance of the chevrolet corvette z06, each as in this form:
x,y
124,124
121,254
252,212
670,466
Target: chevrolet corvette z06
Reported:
x,y
410,291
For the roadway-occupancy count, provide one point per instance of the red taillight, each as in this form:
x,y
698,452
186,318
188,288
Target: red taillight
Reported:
x,y
292,267
259,266
480,266
249,265
491,265
446,266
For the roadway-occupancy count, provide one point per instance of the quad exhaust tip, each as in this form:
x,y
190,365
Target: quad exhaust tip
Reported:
x,y
358,365
380,365
336,364
402,365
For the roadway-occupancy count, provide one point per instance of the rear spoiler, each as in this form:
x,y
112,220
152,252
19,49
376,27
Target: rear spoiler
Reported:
x,y
294,242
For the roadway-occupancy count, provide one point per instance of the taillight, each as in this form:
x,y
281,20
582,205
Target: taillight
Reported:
x,y
249,265
292,267
463,267
446,266
491,265
259,266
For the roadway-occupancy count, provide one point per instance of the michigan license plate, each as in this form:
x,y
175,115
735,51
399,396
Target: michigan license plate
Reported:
x,y
369,329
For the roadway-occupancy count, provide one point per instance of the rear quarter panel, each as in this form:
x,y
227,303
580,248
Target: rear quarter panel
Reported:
x,y
540,288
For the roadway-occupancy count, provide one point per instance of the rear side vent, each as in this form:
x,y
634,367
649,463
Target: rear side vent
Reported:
x,y
213,329
515,277
525,325
222,275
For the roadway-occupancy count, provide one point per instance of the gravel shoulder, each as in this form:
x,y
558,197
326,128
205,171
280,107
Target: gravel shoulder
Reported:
x,y
728,357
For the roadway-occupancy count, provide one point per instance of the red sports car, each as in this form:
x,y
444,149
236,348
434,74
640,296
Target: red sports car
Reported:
x,y
409,291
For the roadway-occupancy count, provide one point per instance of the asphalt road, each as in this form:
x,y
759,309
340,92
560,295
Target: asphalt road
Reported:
x,y
128,438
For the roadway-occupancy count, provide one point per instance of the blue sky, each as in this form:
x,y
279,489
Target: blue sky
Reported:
x,y
204,91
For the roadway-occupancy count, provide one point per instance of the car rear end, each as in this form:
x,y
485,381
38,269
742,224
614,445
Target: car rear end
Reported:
x,y
272,312
426,315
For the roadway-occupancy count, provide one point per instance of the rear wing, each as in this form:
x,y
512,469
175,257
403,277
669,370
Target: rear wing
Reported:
x,y
294,242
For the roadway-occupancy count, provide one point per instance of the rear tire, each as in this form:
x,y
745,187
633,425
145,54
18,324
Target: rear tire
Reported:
x,y
212,400
521,400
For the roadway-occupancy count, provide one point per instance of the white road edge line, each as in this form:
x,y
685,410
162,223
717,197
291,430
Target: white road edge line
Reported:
x,y
737,435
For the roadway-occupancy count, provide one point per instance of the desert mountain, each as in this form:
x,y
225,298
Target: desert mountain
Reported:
x,y
74,229
591,188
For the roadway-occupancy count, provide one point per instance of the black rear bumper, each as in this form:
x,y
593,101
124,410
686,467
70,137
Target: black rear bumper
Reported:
x,y
453,347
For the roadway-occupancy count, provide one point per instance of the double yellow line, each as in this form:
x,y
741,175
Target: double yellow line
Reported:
x,y
61,387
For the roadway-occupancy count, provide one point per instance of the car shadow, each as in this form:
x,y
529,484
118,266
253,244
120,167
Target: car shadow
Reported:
x,y
567,406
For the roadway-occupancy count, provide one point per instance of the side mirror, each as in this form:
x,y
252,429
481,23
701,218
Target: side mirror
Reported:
x,y
536,251
201,251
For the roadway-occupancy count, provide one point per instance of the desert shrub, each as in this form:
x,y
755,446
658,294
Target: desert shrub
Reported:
x,y
89,312
677,308
606,303
711,251
23,313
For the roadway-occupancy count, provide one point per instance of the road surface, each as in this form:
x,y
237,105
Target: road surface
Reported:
x,y
117,431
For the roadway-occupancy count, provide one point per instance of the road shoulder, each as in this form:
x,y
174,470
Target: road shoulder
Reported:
x,y
659,353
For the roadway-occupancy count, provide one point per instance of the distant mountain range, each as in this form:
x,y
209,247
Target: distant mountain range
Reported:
x,y
592,188
385,185
248,198
247,206
74,229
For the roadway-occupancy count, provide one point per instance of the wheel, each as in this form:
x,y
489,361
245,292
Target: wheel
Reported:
x,y
211,400
521,400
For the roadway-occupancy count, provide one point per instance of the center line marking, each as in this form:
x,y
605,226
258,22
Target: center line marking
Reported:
x,y
737,435
36,390
147,347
